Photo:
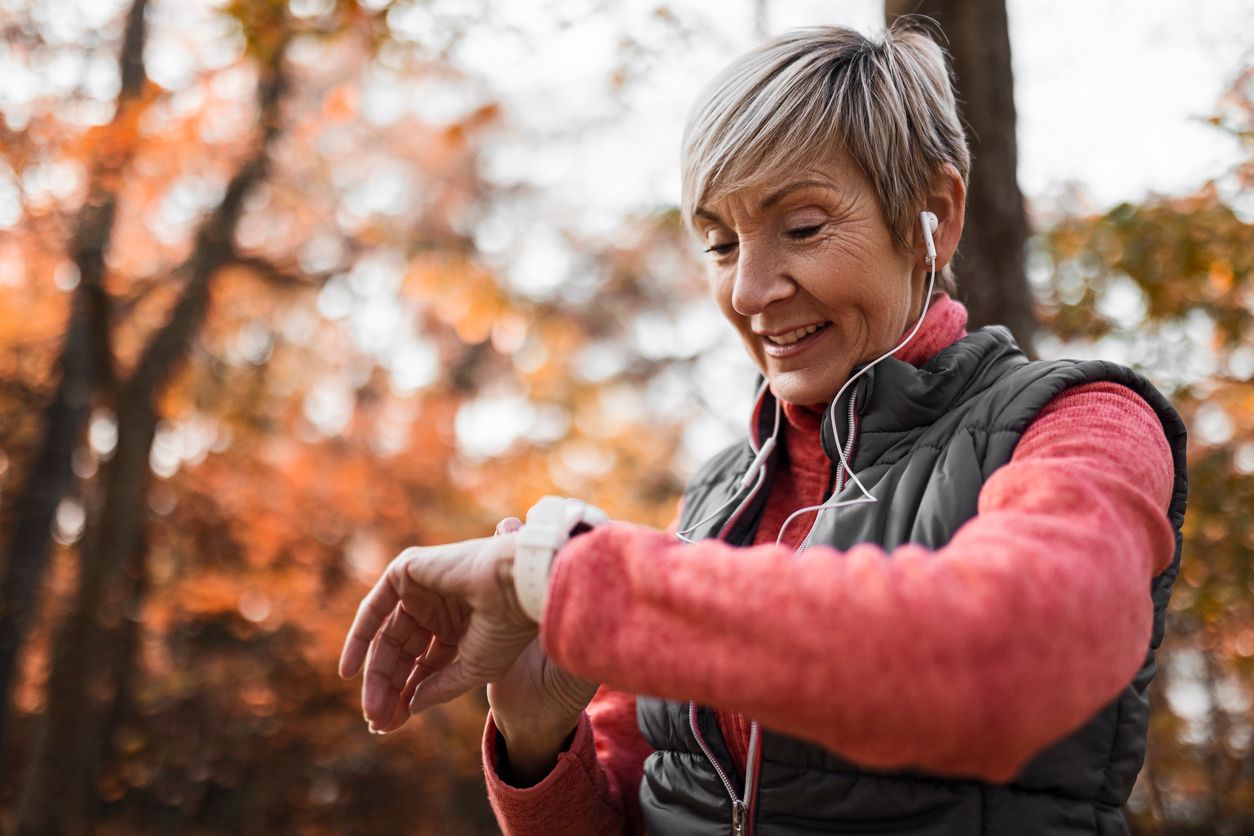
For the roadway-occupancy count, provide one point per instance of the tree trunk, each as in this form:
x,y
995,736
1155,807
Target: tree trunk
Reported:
x,y
86,350
992,280
60,781
91,652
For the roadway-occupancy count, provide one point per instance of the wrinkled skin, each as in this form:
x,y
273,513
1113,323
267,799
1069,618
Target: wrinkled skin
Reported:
x,y
814,249
445,619
440,621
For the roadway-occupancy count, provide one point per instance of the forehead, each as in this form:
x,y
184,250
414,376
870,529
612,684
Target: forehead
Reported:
x,y
765,188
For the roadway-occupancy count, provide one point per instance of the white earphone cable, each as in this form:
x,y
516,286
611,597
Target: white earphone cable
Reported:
x,y
758,466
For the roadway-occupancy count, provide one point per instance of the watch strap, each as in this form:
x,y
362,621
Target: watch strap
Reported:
x,y
549,525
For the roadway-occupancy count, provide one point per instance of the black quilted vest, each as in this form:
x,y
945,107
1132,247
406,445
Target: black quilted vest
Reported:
x,y
927,440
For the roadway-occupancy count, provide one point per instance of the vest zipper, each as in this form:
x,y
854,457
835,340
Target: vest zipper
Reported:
x,y
741,823
740,807
752,764
734,516
850,437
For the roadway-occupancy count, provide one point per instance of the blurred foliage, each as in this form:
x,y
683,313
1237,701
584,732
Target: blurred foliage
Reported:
x,y
1167,286
364,335
312,431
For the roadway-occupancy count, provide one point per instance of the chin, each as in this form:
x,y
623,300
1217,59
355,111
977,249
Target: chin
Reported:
x,y
803,392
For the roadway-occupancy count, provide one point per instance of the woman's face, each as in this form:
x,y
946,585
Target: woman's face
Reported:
x,y
806,271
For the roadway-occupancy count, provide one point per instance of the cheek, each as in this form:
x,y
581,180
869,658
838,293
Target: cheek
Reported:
x,y
720,284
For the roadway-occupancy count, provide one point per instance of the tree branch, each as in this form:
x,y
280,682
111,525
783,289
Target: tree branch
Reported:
x,y
283,277
214,244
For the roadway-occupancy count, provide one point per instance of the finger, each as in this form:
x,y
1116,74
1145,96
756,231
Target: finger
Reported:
x,y
442,686
485,653
437,657
508,524
391,658
371,613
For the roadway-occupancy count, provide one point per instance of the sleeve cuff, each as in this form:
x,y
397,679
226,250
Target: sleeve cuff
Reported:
x,y
580,757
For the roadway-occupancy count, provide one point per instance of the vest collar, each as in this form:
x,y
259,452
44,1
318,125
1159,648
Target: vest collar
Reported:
x,y
897,396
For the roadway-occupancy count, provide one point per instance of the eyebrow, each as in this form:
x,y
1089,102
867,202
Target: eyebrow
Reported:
x,y
770,200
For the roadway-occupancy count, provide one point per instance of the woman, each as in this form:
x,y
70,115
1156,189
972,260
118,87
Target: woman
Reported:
x,y
922,597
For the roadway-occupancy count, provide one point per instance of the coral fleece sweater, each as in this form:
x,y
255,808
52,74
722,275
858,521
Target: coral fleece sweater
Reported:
x,y
964,661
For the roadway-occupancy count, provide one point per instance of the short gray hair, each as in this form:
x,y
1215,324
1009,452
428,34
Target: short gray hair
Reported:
x,y
796,100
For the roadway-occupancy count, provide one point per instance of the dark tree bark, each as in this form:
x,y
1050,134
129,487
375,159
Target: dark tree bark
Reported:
x,y
992,280
85,359
93,645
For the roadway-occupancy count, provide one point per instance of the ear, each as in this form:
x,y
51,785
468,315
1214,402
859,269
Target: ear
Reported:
x,y
948,200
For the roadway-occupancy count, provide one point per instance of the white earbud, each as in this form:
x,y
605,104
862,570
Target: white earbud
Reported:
x,y
929,223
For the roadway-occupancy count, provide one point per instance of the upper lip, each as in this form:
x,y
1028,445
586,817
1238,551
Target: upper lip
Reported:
x,y
789,329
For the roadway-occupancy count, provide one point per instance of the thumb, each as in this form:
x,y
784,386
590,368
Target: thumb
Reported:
x,y
442,686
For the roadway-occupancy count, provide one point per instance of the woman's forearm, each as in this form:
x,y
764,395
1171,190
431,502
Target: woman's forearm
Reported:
x,y
963,661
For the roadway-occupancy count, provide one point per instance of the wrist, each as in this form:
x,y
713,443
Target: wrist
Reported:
x,y
526,755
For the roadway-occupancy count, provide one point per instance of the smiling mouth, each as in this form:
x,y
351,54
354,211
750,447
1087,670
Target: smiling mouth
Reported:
x,y
794,337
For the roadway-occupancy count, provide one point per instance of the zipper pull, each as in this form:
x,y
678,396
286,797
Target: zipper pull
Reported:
x,y
740,818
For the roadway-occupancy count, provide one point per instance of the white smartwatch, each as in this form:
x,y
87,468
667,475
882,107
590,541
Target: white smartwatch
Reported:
x,y
550,523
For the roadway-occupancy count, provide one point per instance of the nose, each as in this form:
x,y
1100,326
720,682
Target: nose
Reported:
x,y
761,279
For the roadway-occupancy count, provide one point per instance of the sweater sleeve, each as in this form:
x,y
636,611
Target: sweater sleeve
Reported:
x,y
962,661
593,789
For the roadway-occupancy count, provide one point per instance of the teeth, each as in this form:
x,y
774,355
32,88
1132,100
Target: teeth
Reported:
x,y
792,336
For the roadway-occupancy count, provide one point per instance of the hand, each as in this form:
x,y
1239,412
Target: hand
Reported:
x,y
441,621
536,705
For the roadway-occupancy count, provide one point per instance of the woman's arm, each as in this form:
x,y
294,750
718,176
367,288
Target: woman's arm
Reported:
x,y
594,788
963,661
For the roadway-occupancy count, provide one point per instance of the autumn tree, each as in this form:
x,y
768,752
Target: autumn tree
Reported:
x,y
87,339
326,329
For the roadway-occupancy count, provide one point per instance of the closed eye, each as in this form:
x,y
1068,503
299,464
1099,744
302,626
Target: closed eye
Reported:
x,y
721,249
802,232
